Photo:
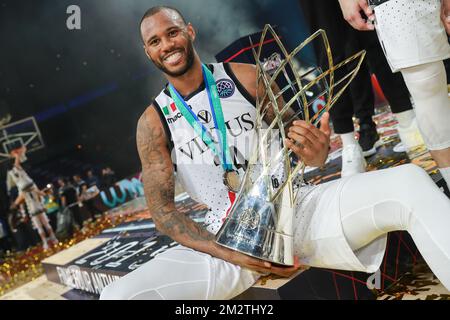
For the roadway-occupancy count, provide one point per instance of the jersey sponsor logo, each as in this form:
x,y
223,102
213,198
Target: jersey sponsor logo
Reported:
x,y
204,116
171,112
225,88
174,118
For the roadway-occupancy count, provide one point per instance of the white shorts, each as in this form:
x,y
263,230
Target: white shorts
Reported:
x,y
411,32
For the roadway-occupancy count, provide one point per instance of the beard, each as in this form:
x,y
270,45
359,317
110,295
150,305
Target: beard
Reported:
x,y
183,70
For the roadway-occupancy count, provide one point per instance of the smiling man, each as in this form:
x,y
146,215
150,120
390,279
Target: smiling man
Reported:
x,y
340,225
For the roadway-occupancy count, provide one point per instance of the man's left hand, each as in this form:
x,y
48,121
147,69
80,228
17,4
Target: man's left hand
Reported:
x,y
310,143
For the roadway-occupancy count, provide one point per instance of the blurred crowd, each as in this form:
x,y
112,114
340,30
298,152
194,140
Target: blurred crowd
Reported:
x,y
69,204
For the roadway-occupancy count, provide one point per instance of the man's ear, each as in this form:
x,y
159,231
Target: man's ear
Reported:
x,y
191,31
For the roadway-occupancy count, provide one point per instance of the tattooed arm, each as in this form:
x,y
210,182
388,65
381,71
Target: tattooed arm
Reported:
x,y
159,188
159,185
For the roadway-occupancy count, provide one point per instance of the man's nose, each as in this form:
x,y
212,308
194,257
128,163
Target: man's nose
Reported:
x,y
167,44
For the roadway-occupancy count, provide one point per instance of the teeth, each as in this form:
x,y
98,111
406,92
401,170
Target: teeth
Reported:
x,y
173,57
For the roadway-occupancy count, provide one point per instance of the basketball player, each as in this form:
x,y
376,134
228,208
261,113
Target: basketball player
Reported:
x,y
342,224
413,35
31,195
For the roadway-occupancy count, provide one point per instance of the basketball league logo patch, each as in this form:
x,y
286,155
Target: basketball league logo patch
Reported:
x,y
225,88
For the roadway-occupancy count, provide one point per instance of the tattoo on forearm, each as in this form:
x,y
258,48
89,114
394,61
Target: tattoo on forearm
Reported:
x,y
159,186
175,224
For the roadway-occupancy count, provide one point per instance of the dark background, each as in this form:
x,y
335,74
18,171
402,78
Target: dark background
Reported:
x,y
88,87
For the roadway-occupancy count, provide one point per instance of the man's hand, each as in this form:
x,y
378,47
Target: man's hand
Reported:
x,y
261,266
351,10
445,14
310,143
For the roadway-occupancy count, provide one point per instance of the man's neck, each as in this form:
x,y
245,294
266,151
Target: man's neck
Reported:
x,y
190,81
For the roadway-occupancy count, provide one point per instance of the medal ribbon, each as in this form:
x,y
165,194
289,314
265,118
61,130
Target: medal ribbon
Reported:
x,y
217,114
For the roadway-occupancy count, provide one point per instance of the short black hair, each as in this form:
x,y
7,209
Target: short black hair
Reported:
x,y
156,9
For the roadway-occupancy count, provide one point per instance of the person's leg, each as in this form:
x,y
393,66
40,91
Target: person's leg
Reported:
x,y
76,212
395,91
45,222
38,225
181,273
416,44
407,200
324,14
362,93
392,84
428,86
319,15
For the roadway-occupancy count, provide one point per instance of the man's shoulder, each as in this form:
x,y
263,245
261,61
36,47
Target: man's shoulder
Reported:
x,y
150,124
245,74
149,115
243,68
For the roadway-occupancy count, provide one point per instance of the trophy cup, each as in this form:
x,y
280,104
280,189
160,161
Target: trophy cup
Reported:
x,y
259,223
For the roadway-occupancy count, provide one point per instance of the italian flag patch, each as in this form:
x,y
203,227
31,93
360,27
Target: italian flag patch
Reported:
x,y
167,111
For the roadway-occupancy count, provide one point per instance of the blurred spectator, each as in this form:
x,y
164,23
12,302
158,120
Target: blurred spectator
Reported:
x,y
79,184
5,244
108,177
88,199
83,195
22,232
51,206
91,179
69,200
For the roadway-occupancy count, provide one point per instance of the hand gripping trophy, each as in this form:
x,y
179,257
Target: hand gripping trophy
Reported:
x,y
260,221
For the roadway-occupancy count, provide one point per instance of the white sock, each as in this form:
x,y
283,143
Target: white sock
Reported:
x,y
446,174
405,118
348,139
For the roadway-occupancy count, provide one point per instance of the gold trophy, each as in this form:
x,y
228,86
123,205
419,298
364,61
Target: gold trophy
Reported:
x,y
260,221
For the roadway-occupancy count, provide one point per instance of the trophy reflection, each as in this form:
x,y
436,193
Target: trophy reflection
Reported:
x,y
260,221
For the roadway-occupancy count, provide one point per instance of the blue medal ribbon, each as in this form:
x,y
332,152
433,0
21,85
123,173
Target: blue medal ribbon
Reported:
x,y
217,114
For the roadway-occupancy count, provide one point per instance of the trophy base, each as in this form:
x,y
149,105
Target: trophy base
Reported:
x,y
276,248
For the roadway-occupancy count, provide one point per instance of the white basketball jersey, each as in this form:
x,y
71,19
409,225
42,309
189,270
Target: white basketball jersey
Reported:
x,y
198,170
19,178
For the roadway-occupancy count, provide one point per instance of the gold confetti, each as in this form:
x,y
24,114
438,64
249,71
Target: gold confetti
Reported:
x,y
21,267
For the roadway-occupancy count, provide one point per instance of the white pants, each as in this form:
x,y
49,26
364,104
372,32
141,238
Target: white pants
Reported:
x,y
371,204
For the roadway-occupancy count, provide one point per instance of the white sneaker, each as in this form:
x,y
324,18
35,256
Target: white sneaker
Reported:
x,y
353,161
410,136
